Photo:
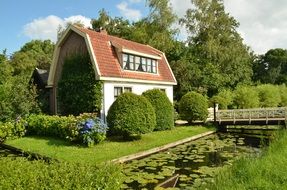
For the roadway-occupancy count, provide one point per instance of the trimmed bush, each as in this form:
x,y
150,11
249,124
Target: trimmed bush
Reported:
x,y
193,106
246,97
19,173
131,115
85,129
163,109
269,95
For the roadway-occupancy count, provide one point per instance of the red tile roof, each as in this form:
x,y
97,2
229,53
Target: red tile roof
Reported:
x,y
109,65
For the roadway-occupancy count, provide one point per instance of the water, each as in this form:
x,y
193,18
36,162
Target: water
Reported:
x,y
196,162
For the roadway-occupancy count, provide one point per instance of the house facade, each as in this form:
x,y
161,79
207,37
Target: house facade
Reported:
x,y
121,65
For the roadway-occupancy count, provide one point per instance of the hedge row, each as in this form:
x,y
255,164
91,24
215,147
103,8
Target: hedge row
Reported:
x,y
85,129
19,173
265,95
10,130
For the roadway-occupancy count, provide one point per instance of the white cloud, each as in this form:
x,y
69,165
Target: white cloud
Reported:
x,y
135,1
46,28
131,14
263,23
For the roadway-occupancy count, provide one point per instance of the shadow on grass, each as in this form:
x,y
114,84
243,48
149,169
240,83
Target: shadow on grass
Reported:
x,y
53,141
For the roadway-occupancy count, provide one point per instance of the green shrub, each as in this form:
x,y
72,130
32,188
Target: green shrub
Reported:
x,y
130,115
283,94
11,130
193,106
269,95
19,173
163,109
224,99
85,129
246,97
79,91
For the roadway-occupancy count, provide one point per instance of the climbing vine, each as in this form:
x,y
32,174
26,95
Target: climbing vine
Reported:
x,y
78,89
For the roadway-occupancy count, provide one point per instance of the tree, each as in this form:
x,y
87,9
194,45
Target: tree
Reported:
x,y
218,48
246,97
271,67
269,95
155,30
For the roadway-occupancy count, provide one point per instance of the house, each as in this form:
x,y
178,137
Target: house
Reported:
x,y
121,65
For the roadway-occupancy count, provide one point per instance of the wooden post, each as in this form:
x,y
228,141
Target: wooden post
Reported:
x,y
214,113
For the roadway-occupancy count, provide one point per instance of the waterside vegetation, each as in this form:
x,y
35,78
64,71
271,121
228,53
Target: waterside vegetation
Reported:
x,y
267,171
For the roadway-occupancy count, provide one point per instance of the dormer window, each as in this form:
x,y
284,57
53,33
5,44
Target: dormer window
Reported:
x,y
139,63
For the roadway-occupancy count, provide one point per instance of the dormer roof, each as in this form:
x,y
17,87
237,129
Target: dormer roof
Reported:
x,y
105,51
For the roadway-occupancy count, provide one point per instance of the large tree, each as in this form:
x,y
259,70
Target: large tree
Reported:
x,y
218,48
155,29
271,67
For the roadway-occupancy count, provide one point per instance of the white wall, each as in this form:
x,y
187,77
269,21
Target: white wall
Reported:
x,y
137,88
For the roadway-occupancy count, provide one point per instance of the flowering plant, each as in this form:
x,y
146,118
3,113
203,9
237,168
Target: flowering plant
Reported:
x,y
92,131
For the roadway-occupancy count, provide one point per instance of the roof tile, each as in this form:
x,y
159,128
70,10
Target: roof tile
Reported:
x,y
109,64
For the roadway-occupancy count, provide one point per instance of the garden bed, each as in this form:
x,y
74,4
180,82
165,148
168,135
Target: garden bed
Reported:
x,y
105,151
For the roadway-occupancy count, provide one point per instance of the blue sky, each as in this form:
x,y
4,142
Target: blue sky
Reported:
x,y
263,23
15,15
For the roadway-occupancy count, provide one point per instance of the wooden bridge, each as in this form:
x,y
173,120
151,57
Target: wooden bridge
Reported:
x,y
260,116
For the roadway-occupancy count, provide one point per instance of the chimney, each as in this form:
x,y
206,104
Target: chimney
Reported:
x,y
103,31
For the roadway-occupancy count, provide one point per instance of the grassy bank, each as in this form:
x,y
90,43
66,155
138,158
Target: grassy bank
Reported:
x,y
105,151
268,171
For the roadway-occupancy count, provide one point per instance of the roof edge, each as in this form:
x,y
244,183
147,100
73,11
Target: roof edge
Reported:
x,y
117,79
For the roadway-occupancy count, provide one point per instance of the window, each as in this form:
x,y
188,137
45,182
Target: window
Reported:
x,y
119,90
137,63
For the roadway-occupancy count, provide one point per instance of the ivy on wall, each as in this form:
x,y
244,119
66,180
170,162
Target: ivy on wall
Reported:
x,y
78,89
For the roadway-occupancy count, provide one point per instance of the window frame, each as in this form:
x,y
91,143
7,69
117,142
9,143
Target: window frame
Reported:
x,y
139,63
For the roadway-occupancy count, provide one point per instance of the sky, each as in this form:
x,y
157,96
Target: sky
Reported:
x,y
263,23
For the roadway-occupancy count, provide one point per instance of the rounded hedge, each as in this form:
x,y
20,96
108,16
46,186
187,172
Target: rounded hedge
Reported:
x,y
193,106
269,95
163,109
246,97
131,115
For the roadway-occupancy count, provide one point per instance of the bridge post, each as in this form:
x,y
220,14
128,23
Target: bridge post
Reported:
x,y
215,108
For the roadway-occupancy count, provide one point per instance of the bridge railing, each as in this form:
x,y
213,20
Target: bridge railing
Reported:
x,y
252,114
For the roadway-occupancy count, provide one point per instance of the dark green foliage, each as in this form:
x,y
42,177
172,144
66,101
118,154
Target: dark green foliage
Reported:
x,y
79,91
271,67
246,97
20,173
17,98
217,47
269,95
130,115
84,129
54,126
163,109
193,106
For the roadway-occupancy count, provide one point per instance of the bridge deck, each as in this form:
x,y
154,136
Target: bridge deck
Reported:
x,y
251,116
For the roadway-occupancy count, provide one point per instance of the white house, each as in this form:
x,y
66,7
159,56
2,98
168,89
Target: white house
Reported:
x,y
122,65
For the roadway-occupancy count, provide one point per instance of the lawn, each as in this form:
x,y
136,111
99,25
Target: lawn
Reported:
x,y
108,150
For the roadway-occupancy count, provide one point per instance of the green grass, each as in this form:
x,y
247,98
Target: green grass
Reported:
x,y
268,171
105,151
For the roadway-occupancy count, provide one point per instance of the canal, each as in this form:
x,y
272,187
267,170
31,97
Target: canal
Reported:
x,y
193,163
